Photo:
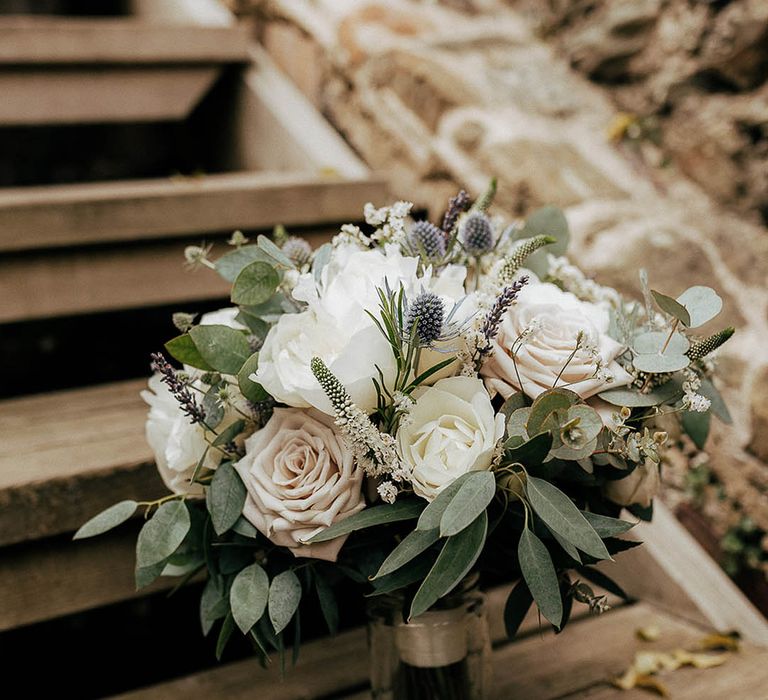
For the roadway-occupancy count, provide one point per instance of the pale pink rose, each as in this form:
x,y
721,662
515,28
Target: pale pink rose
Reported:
x,y
300,479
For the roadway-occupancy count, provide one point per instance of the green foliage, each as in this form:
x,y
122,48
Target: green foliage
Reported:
x,y
563,517
213,606
111,517
284,598
605,526
328,605
251,390
402,509
529,453
255,284
702,304
718,406
457,557
672,307
472,498
432,515
547,221
145,575
540,576
545,405
632,398
227,627
223,348
248,596
696,425
409,548
409,573
273,252
652,342
231,264
183,349
516,608
162,533
212,408
229,433
225,497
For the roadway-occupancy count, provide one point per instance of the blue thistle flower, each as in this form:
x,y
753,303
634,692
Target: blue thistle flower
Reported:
x,y
298,250
428,239
427,313
476,233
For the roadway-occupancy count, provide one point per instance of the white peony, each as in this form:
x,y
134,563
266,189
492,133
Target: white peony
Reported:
x,y
336,327
639,487
451,429
300,480
550,320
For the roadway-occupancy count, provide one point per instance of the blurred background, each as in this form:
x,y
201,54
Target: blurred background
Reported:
x,y
132,128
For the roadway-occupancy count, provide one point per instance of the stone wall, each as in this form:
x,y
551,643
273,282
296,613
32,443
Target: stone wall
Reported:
x,y
442,95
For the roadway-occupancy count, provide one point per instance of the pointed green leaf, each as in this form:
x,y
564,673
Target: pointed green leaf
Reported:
x,y
415,570
183,349
605,526
702,303
328,604
718,407
432,515
213,606
696,426
472,498
274,252
223,348
162,533
255,284
252,391
145,575
530,453
227,627
516,608
539,574
569,549
225,497
457,557
411,546
229,433
111,517
634,399
671,306
402,509
248,596
563,517
284,599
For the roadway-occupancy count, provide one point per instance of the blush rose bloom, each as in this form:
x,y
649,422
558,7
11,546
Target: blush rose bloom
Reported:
x,y
336,328
638,488
451,429
557,318
176,443
300,480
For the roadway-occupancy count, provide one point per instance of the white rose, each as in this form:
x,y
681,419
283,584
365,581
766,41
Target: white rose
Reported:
x,y
300,480
557,318
223,317
452,429
176,443
336,327
640,487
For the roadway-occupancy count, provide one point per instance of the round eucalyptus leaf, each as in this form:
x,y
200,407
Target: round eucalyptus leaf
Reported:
x,y
652,342
702,303
656,364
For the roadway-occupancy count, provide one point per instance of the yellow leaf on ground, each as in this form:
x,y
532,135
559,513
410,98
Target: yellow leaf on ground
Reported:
x,y
649,633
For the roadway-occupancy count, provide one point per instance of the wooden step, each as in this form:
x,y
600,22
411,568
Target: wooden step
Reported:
x,y
576,664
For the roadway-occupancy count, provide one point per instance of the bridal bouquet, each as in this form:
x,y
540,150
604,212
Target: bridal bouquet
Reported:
x,y
408,405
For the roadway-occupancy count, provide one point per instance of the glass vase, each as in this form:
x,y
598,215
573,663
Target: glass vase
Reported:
x,y
443,654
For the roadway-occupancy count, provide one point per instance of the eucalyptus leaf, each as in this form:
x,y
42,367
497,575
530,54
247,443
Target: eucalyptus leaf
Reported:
x,y
718,405
227,627
183,349
248,596
563,517
457,557
702,303
653,341
529,453
660,364
320,259
517,421
516,608
472,498
244,528
229,433
255,284
145,575
274,252
402,509
546,404
672,307
225,497
515,401
111,517
223,348
212,408
284,599
568,548
415,570
588,421
606,526
413,544
231,264
213,606
540,576
696,425
632,398
162,534
432,515
252,391
328,604
575,454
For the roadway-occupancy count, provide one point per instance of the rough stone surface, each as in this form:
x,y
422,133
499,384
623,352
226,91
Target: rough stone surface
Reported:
x,y
441,97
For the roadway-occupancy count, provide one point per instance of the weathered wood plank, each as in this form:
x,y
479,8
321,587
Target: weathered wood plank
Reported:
x,y
61,215
119,94
41,40
43,580
65,456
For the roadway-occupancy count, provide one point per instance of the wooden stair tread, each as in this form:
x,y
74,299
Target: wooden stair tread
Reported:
x,y
577,664
30,41
61,215
67,455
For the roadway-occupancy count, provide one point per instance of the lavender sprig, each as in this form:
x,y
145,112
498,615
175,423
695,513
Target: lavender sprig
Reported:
x,y
456,205
178,388
492,321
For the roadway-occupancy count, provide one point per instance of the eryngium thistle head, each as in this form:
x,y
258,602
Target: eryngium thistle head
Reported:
x,y
298,250
427,313
476,233
428,239
703,347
